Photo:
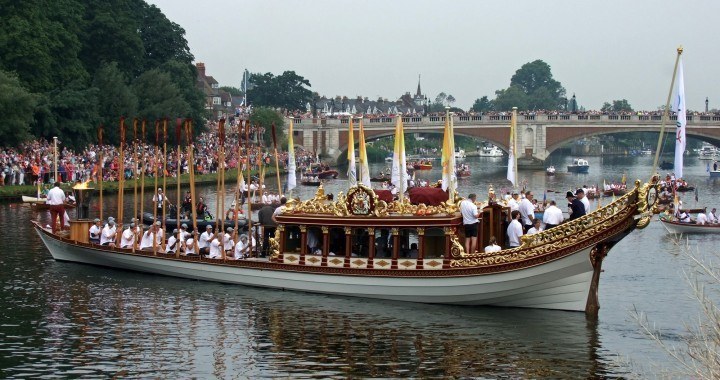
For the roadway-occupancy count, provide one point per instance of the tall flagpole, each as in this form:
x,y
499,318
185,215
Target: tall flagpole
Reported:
x,y
666,113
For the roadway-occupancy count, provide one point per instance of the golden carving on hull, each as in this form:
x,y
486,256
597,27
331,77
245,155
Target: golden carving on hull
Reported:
x,y
336,261
275,245
364,201
564,235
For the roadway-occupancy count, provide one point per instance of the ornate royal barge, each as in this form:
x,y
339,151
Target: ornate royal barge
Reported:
x,y
361,246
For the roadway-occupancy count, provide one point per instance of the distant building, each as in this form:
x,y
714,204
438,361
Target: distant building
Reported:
x,y
218,101
342,105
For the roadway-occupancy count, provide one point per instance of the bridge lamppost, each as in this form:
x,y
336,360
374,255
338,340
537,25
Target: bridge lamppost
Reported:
x,y
332,106
565,102
574,104
706,104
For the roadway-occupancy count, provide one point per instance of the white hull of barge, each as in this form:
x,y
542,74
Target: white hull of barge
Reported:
x,y
560,284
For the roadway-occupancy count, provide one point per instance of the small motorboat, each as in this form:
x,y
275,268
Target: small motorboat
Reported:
x,y
675,227
44,206
579,165
27,199
310,183
665,165
463,173
172,223
550,170
490,151
685,188
423,165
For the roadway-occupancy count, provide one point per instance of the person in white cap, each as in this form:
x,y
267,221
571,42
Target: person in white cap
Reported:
x,y
147,238
190,245
95,231
205,239
244,247
159,233
107,237
228,242
128,236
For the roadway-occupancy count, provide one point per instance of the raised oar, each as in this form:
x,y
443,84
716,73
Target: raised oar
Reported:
x,y
121,179
249,164
164,172
191,164
100,168
178,133
135,166
220,218
142,172
238,189
156,197
277,164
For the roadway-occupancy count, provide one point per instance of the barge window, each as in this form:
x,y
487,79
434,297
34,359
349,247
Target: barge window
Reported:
x,y
337,241
408,237
292,239
434,243
360,241
314,241
383,243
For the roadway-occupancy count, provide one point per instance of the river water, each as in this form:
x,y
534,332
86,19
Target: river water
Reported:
x,y
70,320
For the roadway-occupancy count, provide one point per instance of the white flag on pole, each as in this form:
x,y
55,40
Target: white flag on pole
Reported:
x,y
679,107
291,180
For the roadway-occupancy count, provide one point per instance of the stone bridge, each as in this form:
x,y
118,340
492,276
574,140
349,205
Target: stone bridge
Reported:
x,y
538,135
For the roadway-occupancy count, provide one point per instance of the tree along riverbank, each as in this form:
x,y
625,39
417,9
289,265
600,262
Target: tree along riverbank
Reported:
x,y
14,193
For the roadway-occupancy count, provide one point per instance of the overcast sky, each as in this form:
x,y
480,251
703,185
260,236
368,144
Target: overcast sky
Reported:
x,y
599,50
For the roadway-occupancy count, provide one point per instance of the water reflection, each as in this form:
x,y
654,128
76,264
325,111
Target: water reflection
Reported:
x,y
108,324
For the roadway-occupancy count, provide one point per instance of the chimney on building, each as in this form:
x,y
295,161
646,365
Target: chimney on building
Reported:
x,y
201,69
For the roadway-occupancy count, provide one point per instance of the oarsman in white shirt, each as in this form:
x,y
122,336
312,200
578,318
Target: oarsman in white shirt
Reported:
x,y
280,209
159,234
580,195
712,216
95,231
514,230
552,216
492,247
215,251
172,243
527,210
205,239
56,204
127,240
265,199
244,247
228,242
537,227
107,237
470,215
147,238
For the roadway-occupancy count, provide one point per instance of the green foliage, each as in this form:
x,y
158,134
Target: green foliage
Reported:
x,y
78,58
617,106
16,107
266,117
531,87
117,99
286,91
482,105
158,96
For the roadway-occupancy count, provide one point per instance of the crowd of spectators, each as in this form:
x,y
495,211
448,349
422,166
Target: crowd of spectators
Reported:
x,y
34,162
